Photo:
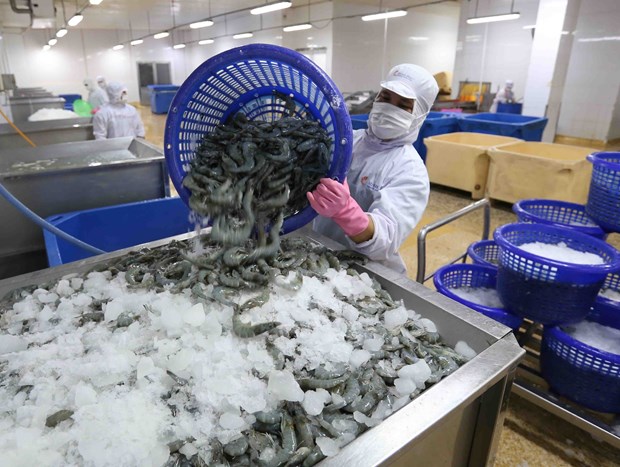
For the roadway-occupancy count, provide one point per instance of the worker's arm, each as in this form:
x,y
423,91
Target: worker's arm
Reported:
x,y
333,199
100,126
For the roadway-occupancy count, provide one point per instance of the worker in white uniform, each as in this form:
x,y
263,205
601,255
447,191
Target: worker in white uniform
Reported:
x,y
101,82
117,118
387,186
504,95
96,96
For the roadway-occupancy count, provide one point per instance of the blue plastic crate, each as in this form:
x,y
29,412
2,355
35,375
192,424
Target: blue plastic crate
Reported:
x,y
436,123
584,374
69,99
604,197
509,108
161,97
473,275
517,126
115,227
544,290
484,252
559,213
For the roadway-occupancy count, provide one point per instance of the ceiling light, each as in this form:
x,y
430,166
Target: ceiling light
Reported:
x,y
243,35
201,24
418,38
493,18
137,42
599,39
279,37
118,47
178,46
297,27
271,7
46,47
161,35
386,15
95,2
75,20
206,41
53,41
61,32
530,26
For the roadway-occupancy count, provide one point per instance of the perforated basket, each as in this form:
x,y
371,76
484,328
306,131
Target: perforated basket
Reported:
x,y
605,308
247,79
485,252
473,275
604,197
544,290
580,372
559,213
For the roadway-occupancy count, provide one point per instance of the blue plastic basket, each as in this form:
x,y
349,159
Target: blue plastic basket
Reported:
x,y
115,227
604,309
518,126
473,275
547,291
485,252
244,79
604,196
584,374
559,213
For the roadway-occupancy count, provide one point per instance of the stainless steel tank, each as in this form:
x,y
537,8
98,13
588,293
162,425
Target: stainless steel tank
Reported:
x,y
47,132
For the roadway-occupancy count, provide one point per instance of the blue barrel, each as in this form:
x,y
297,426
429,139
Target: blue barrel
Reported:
x,y
69,99
509,108
503,124
116,227
161,97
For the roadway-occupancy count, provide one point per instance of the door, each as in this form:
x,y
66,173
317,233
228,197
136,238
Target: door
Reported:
x,y
152,73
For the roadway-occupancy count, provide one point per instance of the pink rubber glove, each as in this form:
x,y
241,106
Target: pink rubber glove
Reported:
x,y
333,199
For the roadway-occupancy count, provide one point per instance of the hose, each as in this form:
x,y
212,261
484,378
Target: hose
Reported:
x,y
20,132
46,225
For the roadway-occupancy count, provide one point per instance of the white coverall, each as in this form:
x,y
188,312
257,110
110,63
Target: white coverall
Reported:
x,y
96,96
504,95
117,118
389,181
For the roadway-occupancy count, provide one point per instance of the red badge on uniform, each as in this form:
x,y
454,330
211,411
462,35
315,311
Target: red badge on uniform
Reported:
x,y
364,180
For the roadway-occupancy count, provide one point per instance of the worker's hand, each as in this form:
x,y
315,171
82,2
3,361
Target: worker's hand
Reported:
x,y
333,199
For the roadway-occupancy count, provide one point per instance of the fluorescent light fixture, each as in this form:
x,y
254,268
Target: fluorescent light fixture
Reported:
x,y
46,47
418,38
75,20
118,47
243,35
137,42
386,15
271,7
161,35
599,39
493,18
297,27
53,41
206,42
95,2
178,46
61,33
279,38
530,26
201,24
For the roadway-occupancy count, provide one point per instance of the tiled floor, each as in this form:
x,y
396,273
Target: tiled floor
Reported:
x,y
531,437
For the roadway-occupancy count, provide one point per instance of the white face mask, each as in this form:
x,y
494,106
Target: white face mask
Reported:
x,y
386,121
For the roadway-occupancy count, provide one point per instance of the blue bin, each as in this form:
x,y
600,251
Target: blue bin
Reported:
x,y
69,99
517,126
436,123
161,97
115,227
509,108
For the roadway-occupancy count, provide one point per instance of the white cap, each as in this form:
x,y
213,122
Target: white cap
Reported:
x,y
411,81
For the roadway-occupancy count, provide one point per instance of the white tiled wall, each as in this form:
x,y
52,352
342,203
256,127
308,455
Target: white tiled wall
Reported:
x,y
506,46
593,76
